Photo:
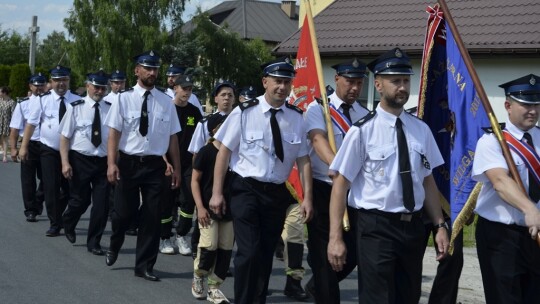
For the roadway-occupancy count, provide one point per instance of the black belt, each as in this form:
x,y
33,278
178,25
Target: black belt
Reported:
x,y
404,217
140,159
265,186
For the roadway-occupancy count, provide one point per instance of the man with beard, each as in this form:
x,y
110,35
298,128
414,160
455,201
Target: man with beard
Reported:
x,y
47,115
31,168
345,111
508,218
260,141
173,72
83,149
386,160
142,128
118,84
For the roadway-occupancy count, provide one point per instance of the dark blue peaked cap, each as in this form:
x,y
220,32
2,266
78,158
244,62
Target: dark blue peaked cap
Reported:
x,y
393,62
222,83
281,67
148,59
37,79
118,76
525,89
174,70
351,69
60,72
249,92
99,78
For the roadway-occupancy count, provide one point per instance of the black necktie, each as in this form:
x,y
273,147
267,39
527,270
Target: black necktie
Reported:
x,y
62,109
96,127
347,111
276,134
143,125
404,167
534,188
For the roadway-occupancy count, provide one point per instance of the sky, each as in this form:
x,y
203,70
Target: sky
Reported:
x,y
17,15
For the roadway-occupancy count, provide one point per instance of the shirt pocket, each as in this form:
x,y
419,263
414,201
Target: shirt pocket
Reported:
x,y
377,163
51,115
131,121
162,123
420,166
83,127
291,138
252,140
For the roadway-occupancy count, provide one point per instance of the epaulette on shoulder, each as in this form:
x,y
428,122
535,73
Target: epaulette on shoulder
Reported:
x,y
205,119
77,102
107,102
365,119
126,90
295,108
45,94
489,129
74,93
413,114
248,104
23,99
319,100
161,89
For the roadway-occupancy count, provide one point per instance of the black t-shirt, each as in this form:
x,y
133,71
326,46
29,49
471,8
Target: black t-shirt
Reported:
x,y
205,162
188,116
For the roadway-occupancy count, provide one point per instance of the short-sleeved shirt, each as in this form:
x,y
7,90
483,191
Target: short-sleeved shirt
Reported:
x,y
201,134
45,114
188,116
205,162
20,115
315,120
488,156
125,116
247,133
77,127
368,158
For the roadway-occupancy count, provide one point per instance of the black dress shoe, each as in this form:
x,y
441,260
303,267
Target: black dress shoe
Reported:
x,y
97,251
31,218
110,257
71,237
147,275
53,231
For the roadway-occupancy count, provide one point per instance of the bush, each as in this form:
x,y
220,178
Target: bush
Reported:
x,y
18,80
5,71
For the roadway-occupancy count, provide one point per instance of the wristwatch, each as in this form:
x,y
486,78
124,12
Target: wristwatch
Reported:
x,y
441,225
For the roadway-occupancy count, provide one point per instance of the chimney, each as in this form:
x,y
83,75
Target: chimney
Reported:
x,y
289,7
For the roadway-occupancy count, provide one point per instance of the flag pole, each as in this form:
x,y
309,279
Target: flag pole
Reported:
x,y
326,110
483,98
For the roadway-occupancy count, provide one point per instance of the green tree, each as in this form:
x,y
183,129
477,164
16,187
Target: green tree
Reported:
x,y
108,33
224,55
52,51
18,80
14,47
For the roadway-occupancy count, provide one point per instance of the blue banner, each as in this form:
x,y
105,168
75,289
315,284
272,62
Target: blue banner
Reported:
x,y
469,117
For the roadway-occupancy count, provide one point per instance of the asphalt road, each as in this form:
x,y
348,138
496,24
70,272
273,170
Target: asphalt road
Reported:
x,y
39,269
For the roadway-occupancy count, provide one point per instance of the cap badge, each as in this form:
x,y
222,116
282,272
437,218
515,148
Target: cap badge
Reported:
x,y
58,67
187,79
532,81
355,63
287,60
171,65
151,53
39,74
117,71
398,53
251,88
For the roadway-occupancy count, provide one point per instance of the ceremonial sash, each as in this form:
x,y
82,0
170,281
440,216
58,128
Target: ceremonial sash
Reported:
x,y
527,154
341,122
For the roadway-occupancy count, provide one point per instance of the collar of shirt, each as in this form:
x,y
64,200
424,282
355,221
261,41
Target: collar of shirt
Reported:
x,y
390,118
140,91
56,96
265,106
518,133
337,102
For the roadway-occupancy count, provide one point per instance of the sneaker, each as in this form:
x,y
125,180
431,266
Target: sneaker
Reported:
x,y
216,296
165,247
197,287
183,245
